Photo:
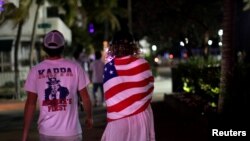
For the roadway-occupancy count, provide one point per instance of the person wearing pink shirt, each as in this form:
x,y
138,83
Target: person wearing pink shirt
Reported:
x,y
96,68
54,83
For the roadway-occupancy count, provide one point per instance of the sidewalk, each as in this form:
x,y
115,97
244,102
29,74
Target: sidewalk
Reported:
x,y
168,125
11,105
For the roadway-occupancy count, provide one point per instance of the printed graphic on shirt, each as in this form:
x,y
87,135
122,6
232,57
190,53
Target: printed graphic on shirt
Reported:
x,y
55,95
55,90
54,72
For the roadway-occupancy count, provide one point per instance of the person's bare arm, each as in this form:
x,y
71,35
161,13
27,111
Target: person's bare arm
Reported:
x,y
87,106
30,107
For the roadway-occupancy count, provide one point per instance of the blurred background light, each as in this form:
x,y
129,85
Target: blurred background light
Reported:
x,y
220,44
220,32
154,47
182,43
1,5
186,40
210,42
91,28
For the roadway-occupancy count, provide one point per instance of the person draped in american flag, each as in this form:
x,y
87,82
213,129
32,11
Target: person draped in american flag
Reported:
x,y
128,87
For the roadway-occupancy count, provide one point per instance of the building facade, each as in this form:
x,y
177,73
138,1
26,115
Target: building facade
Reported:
x,y
48,19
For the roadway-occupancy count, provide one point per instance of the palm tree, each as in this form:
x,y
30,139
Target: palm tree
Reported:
x,y
130,15
20,16
106,13
227,51
39,3
247,5
7,13
233,98
17,15
69,6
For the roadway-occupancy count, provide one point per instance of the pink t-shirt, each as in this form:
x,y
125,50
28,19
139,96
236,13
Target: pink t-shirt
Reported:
x,y
56,83
97,67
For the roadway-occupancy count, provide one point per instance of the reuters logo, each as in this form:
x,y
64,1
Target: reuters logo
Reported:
x,y
217,132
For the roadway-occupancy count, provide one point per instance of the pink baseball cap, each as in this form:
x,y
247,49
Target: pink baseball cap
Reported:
x,y
54,40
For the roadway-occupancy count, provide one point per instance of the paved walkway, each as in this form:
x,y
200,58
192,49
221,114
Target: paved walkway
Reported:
x,y
168,125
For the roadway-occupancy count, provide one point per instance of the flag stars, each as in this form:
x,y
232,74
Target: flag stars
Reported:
x,y
111,72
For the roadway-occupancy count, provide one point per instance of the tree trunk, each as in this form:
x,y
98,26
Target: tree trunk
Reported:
x,y
228,59
206,46
17,79
130,15
32,46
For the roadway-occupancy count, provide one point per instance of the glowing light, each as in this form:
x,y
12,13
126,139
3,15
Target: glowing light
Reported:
x,y
154,47
186,88
91,28
220,44
171,56
182,43
1,5
220,32
143,50
185,55
156,59
210,42
186,40
213,104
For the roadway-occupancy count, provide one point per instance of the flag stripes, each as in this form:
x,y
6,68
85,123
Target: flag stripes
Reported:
x,y
128,86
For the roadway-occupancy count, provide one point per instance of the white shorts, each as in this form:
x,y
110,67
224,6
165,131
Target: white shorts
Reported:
x,y
60,138
139,127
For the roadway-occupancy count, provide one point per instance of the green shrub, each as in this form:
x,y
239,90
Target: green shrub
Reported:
x,y
198,76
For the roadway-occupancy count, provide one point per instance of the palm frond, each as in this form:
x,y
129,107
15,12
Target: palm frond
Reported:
x,y
7,14
247,5
73,11
22,12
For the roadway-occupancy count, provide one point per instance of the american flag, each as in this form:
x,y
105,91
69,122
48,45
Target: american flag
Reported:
x,y
128,86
